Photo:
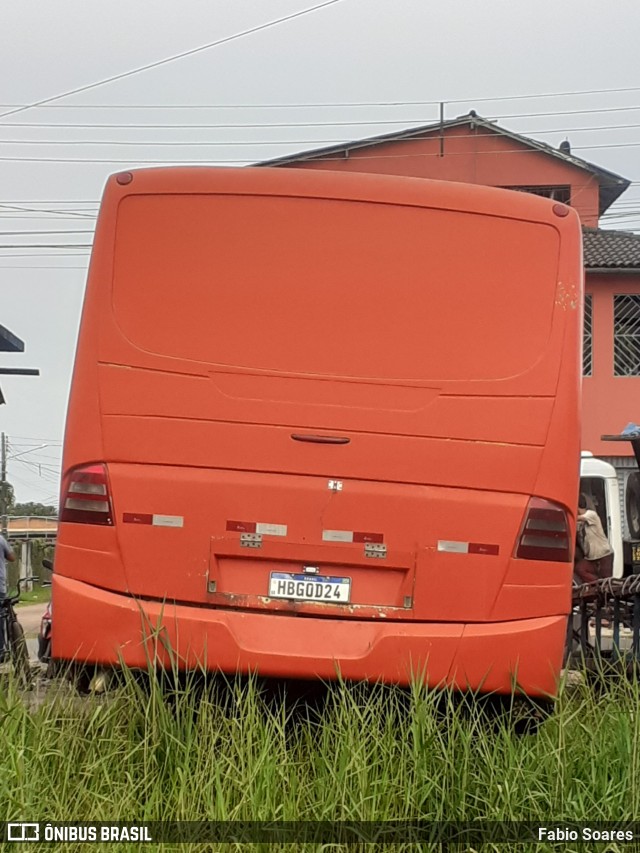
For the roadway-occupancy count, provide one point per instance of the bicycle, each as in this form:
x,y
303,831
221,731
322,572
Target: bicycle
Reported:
x,y
15,650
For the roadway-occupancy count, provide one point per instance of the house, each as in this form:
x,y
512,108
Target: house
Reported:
x,y
472,149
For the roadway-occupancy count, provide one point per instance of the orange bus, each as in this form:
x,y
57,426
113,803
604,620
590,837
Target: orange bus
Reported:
x,y
324,425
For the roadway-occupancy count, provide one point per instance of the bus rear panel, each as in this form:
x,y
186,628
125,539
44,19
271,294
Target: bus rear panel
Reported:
x,y
324,425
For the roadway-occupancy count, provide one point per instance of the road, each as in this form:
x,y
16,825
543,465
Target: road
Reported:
x,y
29,616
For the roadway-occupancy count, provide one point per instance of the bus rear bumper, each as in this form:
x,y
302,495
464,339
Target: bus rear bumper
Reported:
x,y
95,626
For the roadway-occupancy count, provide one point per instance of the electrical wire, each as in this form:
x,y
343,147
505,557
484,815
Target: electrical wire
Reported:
x,y
36,440
40,465
296,155
323,123
45,246
75,203
46,231
49,105
67,214
253,142
147,67
28,267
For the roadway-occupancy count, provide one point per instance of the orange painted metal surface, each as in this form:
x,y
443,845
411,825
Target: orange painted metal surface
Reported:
x,y
426,335
153,634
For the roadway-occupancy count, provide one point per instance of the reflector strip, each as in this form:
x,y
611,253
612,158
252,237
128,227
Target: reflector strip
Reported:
x,y
453,547
368,537
477,548
242,526
467,548
264,528
157,520
351,536
271,529
168,520
137,518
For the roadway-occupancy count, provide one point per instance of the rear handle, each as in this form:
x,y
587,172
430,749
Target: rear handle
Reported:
x,y
321,439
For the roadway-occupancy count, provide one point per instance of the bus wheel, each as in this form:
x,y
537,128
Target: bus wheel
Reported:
x,y
520,714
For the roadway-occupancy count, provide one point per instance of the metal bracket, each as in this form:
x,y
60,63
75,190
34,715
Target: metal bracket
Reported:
x,y
376,550
334,485
250,540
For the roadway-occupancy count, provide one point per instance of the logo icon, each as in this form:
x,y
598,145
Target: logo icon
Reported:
x,y
23,832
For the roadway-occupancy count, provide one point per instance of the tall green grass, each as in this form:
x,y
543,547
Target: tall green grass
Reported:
x,y
159,751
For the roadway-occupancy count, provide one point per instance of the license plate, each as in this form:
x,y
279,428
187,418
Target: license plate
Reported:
x,y
309,587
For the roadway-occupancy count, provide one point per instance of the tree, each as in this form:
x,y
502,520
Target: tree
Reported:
x,y
31,508
7,499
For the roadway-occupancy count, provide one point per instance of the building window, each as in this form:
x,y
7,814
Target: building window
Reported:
x,y
560,193
587,340
626,335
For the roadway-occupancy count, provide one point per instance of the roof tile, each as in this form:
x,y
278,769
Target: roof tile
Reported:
x,y
610,249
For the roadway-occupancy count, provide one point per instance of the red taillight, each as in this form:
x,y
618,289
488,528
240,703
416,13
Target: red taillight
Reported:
x,y
545,533
85,496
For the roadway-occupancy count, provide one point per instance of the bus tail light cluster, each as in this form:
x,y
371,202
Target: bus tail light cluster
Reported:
x,y
86,497
545,533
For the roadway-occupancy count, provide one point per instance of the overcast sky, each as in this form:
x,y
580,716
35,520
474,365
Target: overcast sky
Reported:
x,y
352,69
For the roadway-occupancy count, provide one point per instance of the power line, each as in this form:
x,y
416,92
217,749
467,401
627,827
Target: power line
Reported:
x,y
47,104
169,59
33,448
51,470
36,440
75,203
133,162
67,213
79,255
47,231
31,217
45,465
47,476
45,246
204,143
42,455
26,267
324,123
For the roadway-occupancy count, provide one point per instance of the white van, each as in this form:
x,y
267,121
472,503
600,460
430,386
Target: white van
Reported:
x,y
599,485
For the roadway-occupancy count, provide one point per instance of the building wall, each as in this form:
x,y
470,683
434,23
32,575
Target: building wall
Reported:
x,y
609,402
473,156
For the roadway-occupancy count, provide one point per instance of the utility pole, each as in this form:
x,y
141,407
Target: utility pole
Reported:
x,y
3,484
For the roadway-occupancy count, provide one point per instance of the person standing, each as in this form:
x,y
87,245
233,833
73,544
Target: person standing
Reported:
x,y
596,561
6,556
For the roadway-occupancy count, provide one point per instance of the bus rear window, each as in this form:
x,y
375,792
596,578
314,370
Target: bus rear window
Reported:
x,y
334,288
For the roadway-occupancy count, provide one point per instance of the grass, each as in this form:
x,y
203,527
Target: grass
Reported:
x,y
38,595
195,752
